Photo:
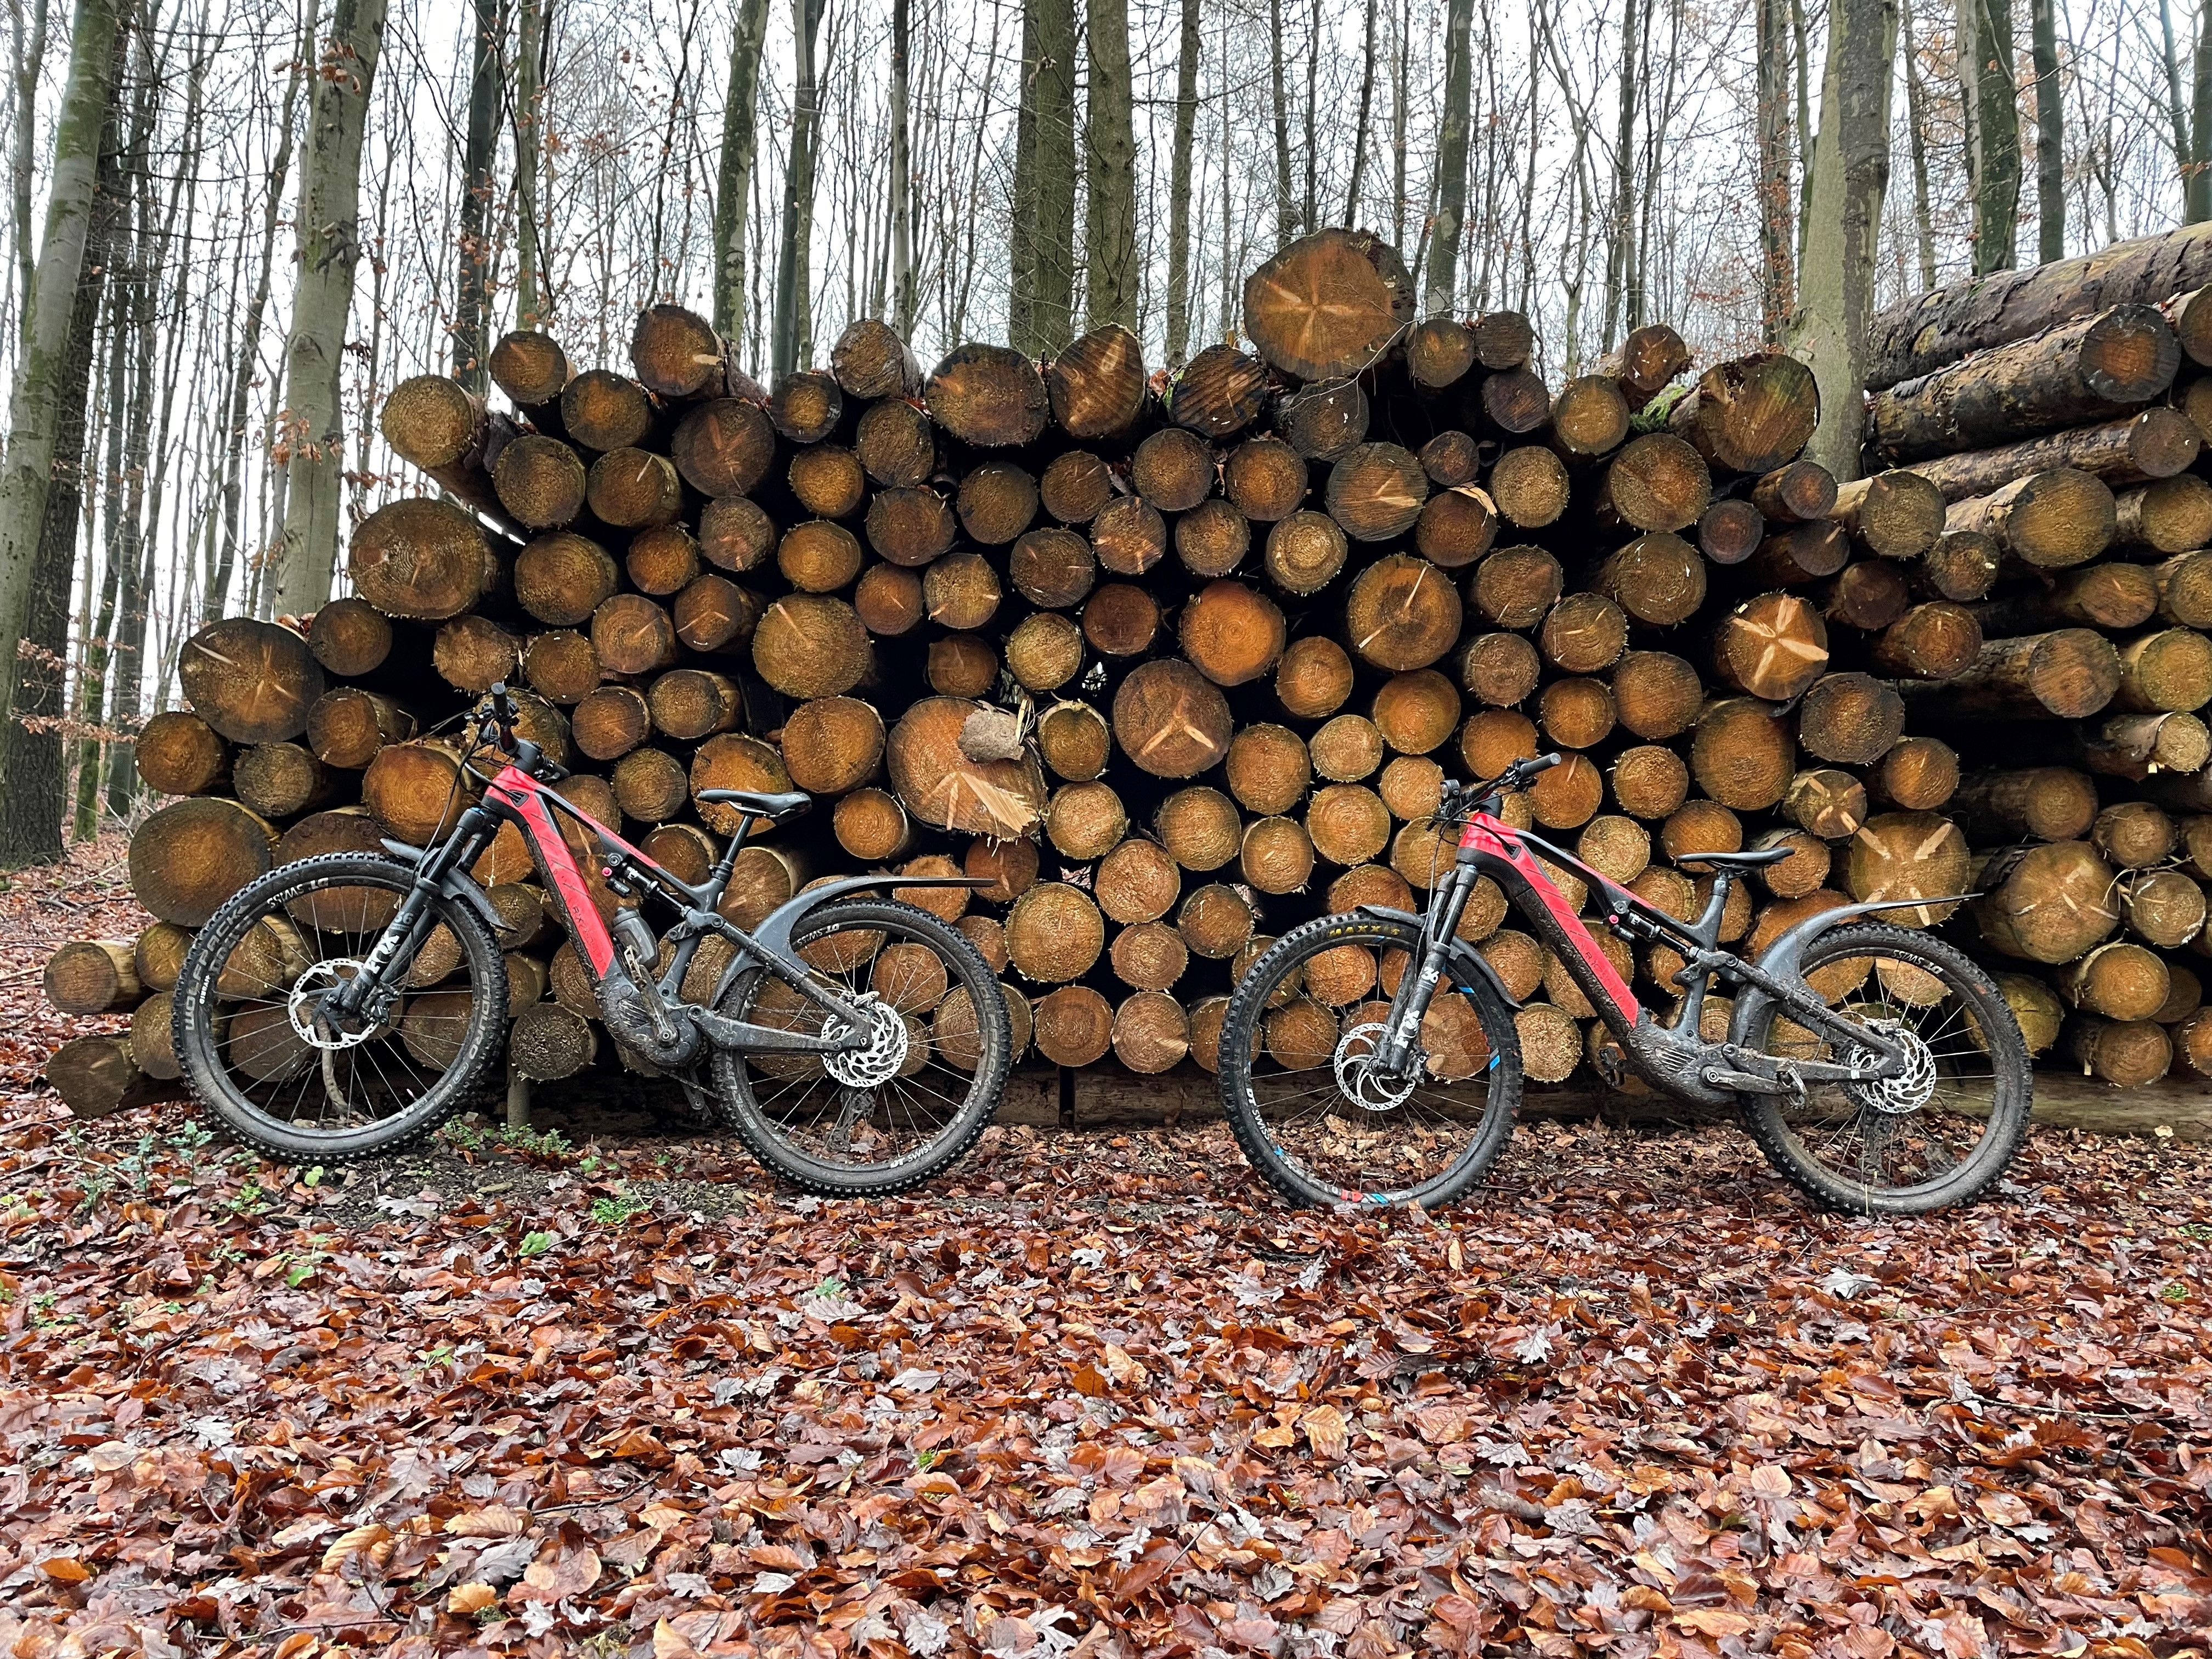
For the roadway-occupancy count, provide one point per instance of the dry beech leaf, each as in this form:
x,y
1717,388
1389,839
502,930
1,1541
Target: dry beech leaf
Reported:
x,y
471,1599
65,1570
493,1521
1324,1426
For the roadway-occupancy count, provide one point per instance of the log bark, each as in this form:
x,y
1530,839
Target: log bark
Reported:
x,y
2157,443
2048,520
2095,368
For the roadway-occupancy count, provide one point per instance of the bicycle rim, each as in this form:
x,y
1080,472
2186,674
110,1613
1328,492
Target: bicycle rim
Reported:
x,y
1335,1129
911,1102
258,1050
1909,1142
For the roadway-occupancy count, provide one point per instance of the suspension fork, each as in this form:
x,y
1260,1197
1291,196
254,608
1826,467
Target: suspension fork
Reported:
x,y
1417,988
411,923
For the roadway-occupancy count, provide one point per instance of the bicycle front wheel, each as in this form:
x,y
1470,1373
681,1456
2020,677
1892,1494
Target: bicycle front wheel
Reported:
x,y
890,1115
259,1051
1935,1136
1321,1122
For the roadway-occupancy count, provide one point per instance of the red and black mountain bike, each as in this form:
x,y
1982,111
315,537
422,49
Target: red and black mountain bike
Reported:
x,y
348,1005
1877,1067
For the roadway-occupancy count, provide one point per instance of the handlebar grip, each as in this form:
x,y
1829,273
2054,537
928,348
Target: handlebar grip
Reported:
x,y
1541,763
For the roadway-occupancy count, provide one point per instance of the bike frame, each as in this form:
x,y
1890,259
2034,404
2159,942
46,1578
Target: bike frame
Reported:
x,y
513,796
1669,1057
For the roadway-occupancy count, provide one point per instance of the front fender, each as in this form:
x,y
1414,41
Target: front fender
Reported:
x,y
1468,965
1781,957
773,936
458,885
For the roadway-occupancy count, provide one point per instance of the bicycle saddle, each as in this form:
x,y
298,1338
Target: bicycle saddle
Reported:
x,y
759,803
1747,860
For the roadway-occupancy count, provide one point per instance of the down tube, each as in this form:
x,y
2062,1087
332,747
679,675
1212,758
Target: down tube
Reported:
x,y
1556,923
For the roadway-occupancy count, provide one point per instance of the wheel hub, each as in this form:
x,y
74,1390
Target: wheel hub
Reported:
x,y
1913,1085
877,1061
303,1007
1363,1080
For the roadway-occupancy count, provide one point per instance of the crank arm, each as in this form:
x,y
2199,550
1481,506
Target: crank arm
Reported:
x,y
1744,1082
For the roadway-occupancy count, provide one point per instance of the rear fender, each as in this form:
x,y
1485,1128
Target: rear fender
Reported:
x,y
1781,957
1469,967
457,884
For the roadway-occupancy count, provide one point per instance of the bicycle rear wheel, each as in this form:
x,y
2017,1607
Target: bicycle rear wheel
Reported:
x,y
904,1109
257,1049
1319,1123
1937,1136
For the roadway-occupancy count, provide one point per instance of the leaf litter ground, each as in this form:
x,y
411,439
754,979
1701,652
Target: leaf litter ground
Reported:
x,y
1094,1394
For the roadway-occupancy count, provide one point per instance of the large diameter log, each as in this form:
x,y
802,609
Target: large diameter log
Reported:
x,y
988,396
811,645
1219,392
531,369
541,482
1849,719
1402,612
1151,1032
1646,360
1658,482
1530,486
2126,1053
2049,903
349,637
2169,671
1772,646
1946,323
1170,720
1375,492
1265,477
1054,933
98,1076
1096,384
1937,641
1138,882
1074,1026
2092,369
2066,674
1897,514
1232,633
938,783
189,857
1656,694
2136,746
1750,415
2049,519
422,559
1657,579
2156,443
179,754
93,977
678,355
1742,754
2036,803
414,791
252,682
1322,422
2170,515
562,578
1329,306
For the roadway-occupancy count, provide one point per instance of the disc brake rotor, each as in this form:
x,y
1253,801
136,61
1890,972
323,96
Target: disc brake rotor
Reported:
x,y
879,1061
1915,1082
303,1007
1363,1081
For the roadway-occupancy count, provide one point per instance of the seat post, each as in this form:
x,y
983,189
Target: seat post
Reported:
x,y
727,862
1709,925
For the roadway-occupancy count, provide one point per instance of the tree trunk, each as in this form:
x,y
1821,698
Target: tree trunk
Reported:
x,y
1179,203
1992,117
794,304
1286,221
533,304
44,387
734,179
1440,285
1110,153
1943,326
1850,177
2050,134
1360,123
472,303
1923,230
330,245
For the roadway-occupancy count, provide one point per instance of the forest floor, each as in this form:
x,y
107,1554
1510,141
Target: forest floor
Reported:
x,y
1093,1393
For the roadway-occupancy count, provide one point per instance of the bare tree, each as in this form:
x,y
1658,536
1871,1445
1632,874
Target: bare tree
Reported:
x,y
1450,184
330,247
1286,222
1186,128
1619,251
1110,149
1916,129
1851,175
2049,133
532,303
472,302
901,206
795,326
29,58
1985,80
1359,126
42,394
733,182
2198,196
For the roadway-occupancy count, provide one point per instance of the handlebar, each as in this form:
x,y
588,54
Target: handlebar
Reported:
x,y
497,716
1456,794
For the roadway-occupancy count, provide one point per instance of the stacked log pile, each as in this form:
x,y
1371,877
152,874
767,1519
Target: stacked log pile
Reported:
x,y
1181,661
